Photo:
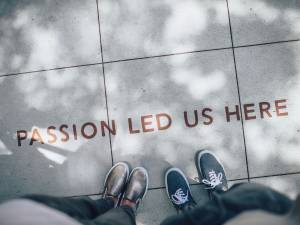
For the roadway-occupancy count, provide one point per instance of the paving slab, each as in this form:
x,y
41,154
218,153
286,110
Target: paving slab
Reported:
x,y
259,21
266,74
139,28
173,85
67,166
39,35
287,184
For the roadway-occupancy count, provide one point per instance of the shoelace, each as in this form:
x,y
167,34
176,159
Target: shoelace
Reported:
x,y
214,179
180,197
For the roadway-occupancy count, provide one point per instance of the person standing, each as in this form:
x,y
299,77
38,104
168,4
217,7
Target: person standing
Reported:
x,y
225,205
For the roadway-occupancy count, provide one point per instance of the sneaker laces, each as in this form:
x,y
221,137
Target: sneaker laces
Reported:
x,y
214,179
180,197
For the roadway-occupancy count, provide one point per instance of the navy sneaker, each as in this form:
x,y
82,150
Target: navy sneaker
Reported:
x,y
178,189
211,171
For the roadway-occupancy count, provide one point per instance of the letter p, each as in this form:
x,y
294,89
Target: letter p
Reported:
x,y
22,135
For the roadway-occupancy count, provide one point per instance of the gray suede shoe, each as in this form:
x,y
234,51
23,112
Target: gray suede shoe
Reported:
x,y
115,180
137,186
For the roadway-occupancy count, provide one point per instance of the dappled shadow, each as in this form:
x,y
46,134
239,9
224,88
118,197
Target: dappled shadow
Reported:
x,y
268,74
47,34
143,28
39,35
173,85
257,21
40,100
178,83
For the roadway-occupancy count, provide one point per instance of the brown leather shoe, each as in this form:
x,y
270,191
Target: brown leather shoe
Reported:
x,y
115,180
137,186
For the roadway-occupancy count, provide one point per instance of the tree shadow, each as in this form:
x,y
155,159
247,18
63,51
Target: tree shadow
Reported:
x,y
40,100
39,35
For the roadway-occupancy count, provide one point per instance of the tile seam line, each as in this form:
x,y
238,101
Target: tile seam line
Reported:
x,y
200,51
149,57
104,82
195,184
266,43
50,69
238,90
166,55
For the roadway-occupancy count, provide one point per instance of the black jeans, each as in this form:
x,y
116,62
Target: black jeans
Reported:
x,y
226,205
87,211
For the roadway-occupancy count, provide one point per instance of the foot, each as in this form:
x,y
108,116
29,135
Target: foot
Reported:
x,y
211,171
178,189
115,181
136,189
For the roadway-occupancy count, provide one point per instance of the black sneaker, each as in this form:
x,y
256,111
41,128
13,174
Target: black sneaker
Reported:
x,y
178,189
211,171
115,181
137,186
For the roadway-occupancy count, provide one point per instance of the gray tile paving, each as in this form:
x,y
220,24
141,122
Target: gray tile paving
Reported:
x,y
143,28
37,101
268,73
288,184
173,85
257,21
38,35
47,34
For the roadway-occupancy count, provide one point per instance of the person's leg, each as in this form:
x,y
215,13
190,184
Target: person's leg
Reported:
x,y
251,196
227,204
213,176
240,197
123,215
85,208
81,208
231,203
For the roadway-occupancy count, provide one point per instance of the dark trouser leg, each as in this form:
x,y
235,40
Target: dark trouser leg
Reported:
x,y
123,215
81,208
229,204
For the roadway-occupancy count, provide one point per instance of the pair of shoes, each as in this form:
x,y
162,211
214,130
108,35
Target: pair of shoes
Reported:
x,y
210,170
121,185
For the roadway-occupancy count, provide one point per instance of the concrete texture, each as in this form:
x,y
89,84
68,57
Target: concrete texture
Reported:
x,y
39,35
40,100
173,85
256,21
269,73
142,28
47,79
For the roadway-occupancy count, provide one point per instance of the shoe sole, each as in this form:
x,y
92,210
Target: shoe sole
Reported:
x,y
197,162
117,164
182,174
147,178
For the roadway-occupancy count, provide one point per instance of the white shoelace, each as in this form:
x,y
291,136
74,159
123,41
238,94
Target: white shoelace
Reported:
x,y
180,197
214,179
